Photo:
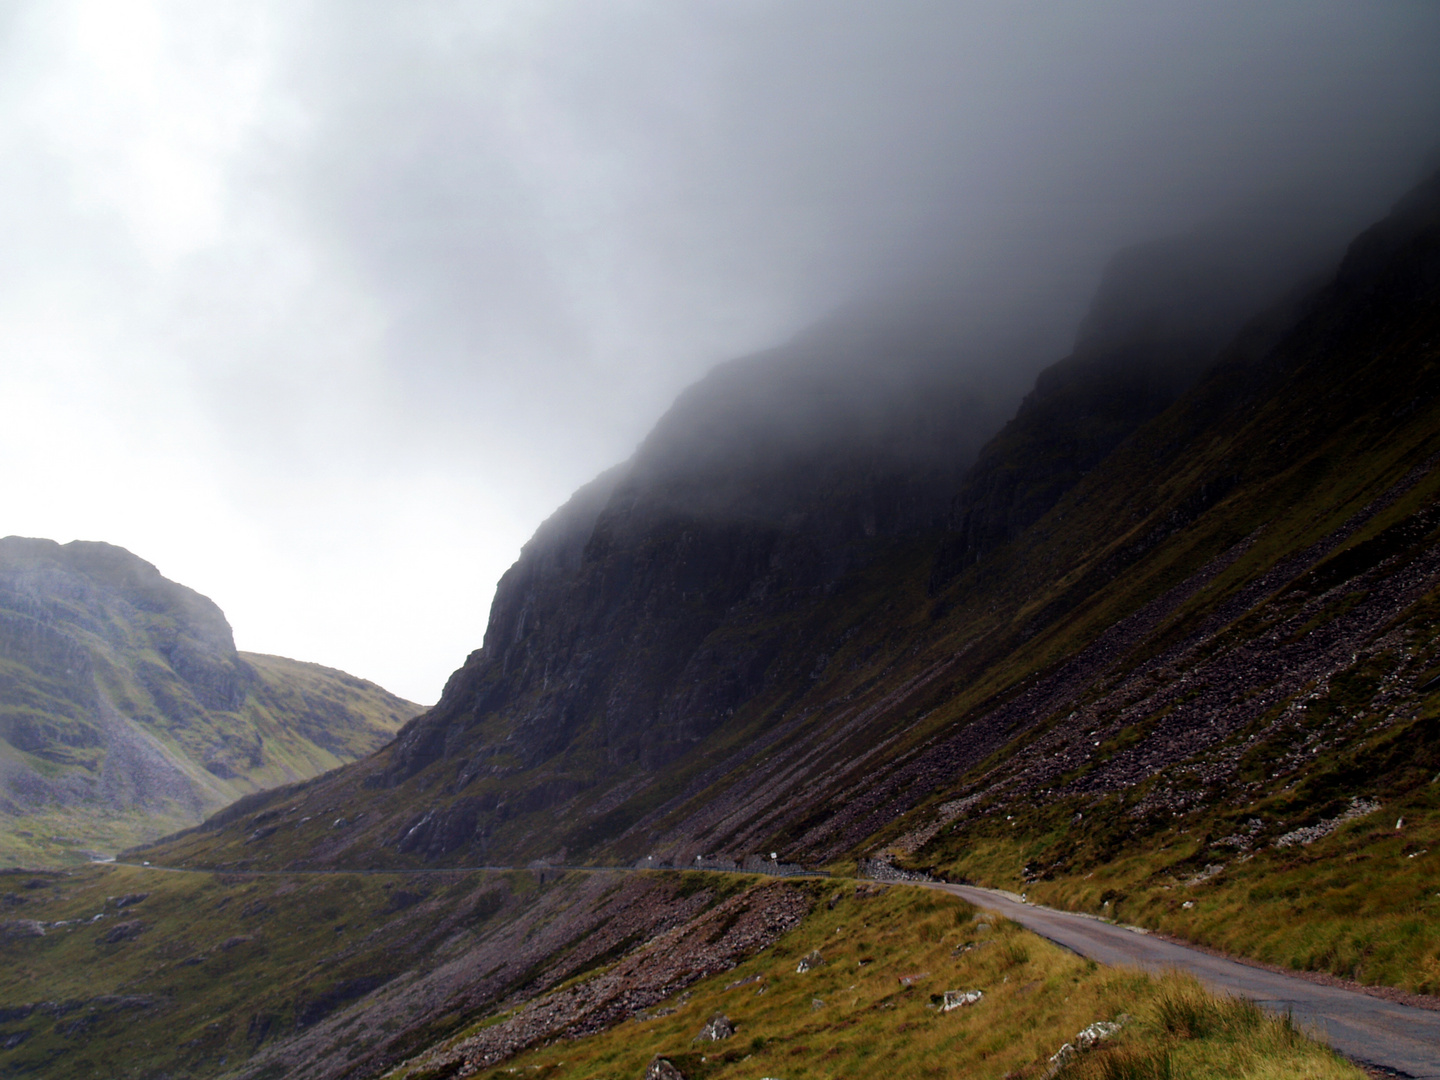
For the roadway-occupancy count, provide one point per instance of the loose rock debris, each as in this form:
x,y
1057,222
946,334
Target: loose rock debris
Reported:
x,y
735,929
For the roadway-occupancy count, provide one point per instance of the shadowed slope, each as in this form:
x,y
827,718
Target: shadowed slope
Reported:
x,y
731,646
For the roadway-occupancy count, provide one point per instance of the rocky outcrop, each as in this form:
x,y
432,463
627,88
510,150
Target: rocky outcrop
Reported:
x,y
123,931
718,1027
809,962
959,999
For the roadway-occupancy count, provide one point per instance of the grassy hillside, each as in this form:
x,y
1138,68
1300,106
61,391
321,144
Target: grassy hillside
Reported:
x,y
126,713
875,1007
583,975
1265,750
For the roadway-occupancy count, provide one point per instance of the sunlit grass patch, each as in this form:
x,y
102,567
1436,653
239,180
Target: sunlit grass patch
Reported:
x,y
1185,1031
875,1007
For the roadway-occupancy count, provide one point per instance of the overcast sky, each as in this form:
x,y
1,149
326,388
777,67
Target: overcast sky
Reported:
x,y
322,306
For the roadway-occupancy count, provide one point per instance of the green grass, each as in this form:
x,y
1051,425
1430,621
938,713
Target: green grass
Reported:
x,y
854,1016
218,967
222,968
206,972
1183,1031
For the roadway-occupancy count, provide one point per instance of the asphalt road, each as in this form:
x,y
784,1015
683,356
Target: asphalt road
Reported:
x,y
1366,1029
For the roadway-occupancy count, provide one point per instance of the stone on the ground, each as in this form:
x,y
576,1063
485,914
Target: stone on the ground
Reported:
x,y
719,1027
1061,1058
809,962
662,1069
955,999
1097,1032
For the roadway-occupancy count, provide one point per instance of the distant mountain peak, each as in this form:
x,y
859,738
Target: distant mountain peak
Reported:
x,y
126,711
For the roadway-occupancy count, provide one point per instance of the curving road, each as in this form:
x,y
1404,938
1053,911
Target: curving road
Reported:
x,y
1366,1029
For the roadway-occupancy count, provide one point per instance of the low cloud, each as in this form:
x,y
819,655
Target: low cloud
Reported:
x,y
323,306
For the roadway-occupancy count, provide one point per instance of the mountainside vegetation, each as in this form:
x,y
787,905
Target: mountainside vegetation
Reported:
x,y
123,971
126,711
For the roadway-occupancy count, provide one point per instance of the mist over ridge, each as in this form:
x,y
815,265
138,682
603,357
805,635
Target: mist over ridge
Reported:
x,y
287,279
713,650
914,381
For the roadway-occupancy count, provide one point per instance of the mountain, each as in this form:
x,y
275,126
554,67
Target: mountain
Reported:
x,y
1162,647
126,711
825,587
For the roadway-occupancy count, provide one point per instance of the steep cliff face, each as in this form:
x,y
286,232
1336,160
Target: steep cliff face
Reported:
x,y
648,610
689,586
1162,315
124,700
1200,693
754,644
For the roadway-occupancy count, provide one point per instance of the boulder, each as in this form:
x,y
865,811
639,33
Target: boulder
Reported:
x,y
957,999
719,1027
662,1069
809,962
1096,1033
1060,1059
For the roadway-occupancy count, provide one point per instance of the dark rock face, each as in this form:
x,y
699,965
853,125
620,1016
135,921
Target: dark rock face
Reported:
x,y
766,484
670,592
124,931
1162,316
440,831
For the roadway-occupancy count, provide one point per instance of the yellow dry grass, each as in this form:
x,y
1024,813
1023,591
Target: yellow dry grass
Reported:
x,y
873,1010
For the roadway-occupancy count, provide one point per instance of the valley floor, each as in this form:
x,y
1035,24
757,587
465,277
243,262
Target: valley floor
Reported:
x,y
137,972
